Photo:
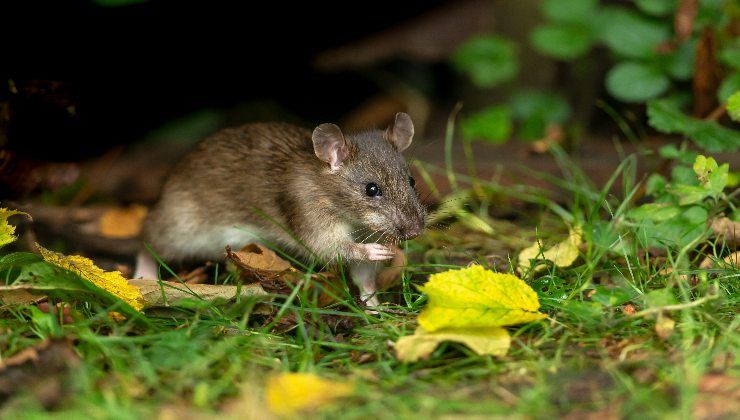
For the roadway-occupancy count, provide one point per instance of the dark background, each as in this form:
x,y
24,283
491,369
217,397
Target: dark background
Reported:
x,y
126,70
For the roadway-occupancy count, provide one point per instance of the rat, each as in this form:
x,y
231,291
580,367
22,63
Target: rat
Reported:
x,y
321,196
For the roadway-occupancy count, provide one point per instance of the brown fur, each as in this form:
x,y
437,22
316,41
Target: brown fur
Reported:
x,y
267,177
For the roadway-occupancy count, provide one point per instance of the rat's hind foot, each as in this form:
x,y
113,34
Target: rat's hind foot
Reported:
x,y
146,266
377,252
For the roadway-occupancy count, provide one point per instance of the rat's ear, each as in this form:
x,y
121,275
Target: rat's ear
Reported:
x,y
401,131
329,145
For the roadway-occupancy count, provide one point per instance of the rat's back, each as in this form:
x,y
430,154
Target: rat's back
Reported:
x,y
224,191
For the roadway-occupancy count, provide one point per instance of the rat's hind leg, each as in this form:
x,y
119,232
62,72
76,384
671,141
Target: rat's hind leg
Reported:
x,y
146,266
365,276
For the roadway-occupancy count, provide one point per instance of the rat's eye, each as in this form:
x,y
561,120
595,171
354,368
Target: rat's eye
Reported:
x,y
373,190
412,181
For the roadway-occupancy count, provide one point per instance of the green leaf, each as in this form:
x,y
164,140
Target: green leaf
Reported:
x,y
710,175
660,297
488,61
675,232
709,135
17,259
612,296
730,54
655,184
729,85
656,7
680,63
492,124
733,106
656,212
569,10
564,41
630,35
689,194
635,82
537,109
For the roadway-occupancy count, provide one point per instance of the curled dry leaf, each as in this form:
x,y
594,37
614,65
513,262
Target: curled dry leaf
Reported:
x,y
122,223
288,394
257,262
726,229
492,341
562,255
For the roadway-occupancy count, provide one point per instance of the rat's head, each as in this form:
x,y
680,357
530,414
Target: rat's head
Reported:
x,y
371,179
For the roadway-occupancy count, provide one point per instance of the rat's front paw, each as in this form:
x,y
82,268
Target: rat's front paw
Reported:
x,y
377,252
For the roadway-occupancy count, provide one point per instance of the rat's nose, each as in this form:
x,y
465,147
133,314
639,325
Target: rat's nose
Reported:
x,y
411,231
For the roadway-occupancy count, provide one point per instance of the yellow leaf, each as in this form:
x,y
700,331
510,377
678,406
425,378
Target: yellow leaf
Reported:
x,y
562,254
122,223
289,393
477,298
112,281
7,231
493,341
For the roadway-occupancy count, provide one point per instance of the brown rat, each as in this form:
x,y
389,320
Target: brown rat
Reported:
x,y
319,196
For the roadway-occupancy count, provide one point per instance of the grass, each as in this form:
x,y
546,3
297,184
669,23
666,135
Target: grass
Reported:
x,y
598,351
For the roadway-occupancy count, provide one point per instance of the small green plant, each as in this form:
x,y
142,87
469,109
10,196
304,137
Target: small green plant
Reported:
x,y
682,206
653,46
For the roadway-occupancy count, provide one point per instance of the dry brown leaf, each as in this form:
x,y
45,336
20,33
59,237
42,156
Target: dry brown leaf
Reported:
x,y
727,230
277,276
152,291
258,259
122,223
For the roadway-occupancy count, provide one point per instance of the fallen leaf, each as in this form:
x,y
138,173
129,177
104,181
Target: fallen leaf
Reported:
x,y
474,297
112,281
7,231
664,326
727,229
562,255
288,394
492,341
154,294
275,275
258,259
122,223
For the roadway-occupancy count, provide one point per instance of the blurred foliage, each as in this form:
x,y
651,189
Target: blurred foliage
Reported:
x,y
654,47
